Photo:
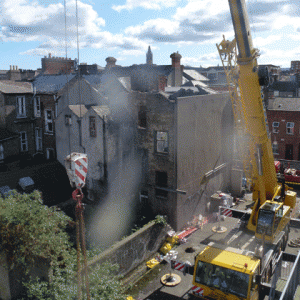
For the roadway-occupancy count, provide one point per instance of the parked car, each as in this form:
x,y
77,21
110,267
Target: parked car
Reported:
x,y
5,191
26,185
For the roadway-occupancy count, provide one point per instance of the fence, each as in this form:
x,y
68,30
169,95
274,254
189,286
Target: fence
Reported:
x,y
293,280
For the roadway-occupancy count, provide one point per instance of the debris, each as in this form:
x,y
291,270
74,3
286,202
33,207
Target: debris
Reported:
x,y
152,263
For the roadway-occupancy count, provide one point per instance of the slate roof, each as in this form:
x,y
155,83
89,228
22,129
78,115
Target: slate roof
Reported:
x,y
193,83
188,91
191,74
50,84
284,86
78,110
284,104
7,134
15,87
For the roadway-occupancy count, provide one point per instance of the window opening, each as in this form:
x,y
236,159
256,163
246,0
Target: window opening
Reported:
x,y
1,152
275,147
275,126
142,117
24,143
93,132
50,153
161,180
290,127
21,107
162,142
48,121
68,120
37,107
38,139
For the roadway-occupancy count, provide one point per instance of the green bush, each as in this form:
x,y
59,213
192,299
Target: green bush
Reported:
x,y
30,231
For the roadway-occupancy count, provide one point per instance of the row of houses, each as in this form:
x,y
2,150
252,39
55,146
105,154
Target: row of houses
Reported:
x,y
153,133
160,134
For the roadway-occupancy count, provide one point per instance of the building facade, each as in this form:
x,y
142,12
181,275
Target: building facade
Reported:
x,y
182,141
284,125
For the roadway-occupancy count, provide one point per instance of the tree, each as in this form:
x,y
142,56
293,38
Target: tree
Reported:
x,y
30,231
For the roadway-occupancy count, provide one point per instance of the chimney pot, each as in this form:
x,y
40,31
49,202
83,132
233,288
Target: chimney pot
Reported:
x,y
110,62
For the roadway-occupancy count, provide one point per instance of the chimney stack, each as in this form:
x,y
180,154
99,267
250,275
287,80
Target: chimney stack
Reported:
x,y
110,62
177,69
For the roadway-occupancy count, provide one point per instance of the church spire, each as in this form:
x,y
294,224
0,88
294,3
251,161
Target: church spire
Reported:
x,y
149,57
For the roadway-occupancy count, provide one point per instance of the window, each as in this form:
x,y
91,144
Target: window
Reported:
x,y
68,120
275,127
162,142
48,121
24,144
92,127
1,152
21,107
38,139
50,153
142,117
275,147
37,106
290,127
161,181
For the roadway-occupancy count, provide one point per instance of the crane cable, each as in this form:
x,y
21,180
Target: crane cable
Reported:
x,y
68,120
80,226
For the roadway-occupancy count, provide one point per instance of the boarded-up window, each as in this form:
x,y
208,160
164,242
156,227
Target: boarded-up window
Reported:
x,y
161,183
93,132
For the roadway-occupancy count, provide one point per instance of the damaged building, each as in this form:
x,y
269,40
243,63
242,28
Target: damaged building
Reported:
x,y
163,121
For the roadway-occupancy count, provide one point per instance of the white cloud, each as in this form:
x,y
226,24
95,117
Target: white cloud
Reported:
x,y
24,20
203,60
157,26
146,4
262,41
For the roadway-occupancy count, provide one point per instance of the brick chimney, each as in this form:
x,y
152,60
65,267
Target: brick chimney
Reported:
x,y
110,62
14,73
177,69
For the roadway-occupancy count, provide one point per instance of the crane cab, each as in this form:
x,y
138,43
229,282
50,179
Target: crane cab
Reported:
x,y
273,217
226,274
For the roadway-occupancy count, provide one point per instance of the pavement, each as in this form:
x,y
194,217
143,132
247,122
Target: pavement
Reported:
x,y
149,287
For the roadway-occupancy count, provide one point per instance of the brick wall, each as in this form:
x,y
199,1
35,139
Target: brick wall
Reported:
x,y
282,138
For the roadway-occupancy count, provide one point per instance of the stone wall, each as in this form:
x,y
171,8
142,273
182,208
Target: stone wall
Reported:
x,y
134,249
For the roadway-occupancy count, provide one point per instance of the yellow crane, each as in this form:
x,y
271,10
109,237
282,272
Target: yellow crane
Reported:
x,y
244,263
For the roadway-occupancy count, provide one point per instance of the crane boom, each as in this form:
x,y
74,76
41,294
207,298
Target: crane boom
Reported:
x,y
251,77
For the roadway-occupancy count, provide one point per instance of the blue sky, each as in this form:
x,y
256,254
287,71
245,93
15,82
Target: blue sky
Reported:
x,y
30,29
